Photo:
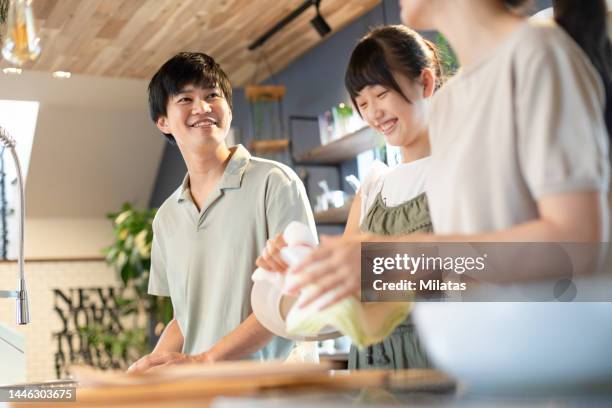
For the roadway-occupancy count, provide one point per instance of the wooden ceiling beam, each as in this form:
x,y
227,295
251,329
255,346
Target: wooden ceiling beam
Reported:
x,y
132,38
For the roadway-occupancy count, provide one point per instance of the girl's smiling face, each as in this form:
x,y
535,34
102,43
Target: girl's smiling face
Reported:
x,y
402,119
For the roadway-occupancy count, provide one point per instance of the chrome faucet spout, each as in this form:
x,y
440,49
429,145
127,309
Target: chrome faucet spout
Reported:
x,y
21,295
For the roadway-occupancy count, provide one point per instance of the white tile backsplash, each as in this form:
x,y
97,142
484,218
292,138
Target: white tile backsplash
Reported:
x,y
42,278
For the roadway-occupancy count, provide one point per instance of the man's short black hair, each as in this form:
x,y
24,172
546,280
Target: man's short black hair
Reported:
x,y
185,68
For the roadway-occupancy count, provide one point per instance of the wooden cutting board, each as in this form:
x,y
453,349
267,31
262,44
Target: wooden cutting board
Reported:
x,y
426,380
251,371
197,383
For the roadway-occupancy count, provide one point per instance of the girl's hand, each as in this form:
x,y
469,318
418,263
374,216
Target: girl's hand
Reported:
x,y
334,265
270,259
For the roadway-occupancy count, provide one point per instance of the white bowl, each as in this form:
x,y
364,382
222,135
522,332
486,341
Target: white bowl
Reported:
x,y
271,307
520,344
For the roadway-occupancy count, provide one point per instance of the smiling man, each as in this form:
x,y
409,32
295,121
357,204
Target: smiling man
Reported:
x,y
208,234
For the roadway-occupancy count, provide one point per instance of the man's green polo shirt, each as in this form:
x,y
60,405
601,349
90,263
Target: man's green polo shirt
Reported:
x,y
204,259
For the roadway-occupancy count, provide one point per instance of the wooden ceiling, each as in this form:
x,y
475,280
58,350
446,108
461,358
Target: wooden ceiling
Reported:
x,y
132,38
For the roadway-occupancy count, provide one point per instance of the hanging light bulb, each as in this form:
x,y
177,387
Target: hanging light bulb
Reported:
x,y
21,43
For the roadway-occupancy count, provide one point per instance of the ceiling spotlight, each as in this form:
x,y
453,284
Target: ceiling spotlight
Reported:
x,y
11,71
61,74
320,24
317,22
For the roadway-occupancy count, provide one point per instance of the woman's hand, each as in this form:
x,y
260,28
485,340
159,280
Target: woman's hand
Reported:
x,y
334,265
270,259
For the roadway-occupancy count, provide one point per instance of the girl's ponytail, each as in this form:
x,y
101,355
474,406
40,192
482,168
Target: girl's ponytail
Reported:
x,y
436,62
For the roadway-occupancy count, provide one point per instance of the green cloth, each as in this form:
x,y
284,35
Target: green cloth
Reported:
x,y
402,349
364,323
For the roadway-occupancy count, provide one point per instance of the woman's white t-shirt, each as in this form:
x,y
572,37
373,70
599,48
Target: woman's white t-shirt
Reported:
x,y
397,185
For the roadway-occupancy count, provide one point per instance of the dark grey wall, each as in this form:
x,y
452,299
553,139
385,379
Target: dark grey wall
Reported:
x,y
170,173
315,81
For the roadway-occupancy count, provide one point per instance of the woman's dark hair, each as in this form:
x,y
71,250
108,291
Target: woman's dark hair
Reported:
x,y
394,48
586,22
185,68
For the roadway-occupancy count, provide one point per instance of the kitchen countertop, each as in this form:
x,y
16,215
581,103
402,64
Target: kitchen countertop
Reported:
x,y
369,397
413,388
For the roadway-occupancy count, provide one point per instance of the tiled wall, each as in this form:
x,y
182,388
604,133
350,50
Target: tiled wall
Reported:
x,y
42,278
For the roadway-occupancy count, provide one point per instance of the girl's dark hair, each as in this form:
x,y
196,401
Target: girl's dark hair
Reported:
x,y
586,23
515,3
185,68
390,48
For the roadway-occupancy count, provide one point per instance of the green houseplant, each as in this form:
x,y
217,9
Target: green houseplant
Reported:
x,y
3,12
130,256
450,63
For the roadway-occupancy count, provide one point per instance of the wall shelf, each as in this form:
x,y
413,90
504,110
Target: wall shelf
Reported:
x,y
331,154
333,216
345,148
269,146
264,93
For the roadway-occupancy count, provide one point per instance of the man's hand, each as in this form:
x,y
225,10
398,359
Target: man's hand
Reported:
x,y
166,358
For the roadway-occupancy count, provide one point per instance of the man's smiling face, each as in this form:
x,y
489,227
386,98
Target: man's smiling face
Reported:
x,y
197,116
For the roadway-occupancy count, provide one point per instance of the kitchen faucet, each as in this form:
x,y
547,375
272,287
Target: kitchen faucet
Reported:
x,y
21,294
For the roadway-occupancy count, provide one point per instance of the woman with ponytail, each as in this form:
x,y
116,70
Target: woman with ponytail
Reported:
x,y
391,76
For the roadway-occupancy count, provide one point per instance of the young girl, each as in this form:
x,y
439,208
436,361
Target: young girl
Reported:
x,y
391,76
519,145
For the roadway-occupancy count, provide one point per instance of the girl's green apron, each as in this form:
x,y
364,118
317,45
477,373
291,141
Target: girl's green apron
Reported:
x,y
402,349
